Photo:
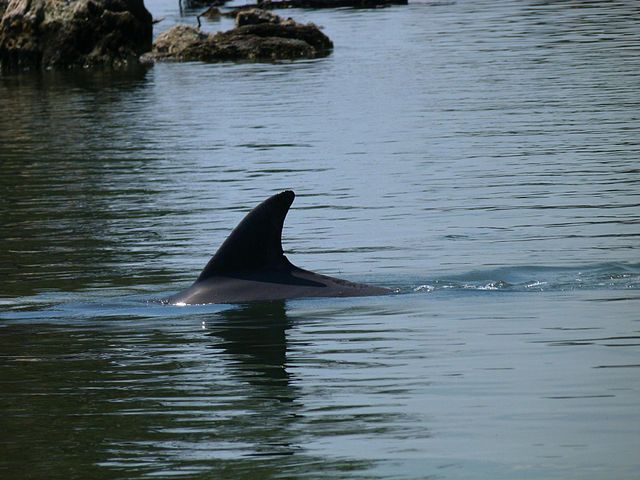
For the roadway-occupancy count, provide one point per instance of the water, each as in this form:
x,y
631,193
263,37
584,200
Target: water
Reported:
x,y
481,158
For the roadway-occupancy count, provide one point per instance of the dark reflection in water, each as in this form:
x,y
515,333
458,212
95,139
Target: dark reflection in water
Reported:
x,y
65,116
256,336
72,178
56,412
111,399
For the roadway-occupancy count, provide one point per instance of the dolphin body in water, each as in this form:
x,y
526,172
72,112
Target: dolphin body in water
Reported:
x,y
251,266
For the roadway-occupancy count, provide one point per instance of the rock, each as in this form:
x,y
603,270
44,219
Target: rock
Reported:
x,y
286,29
261,36
255,48
254,16
54,34
212,13
184,43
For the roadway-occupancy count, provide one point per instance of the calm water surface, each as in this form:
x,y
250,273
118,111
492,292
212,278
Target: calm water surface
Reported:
x,y
481,158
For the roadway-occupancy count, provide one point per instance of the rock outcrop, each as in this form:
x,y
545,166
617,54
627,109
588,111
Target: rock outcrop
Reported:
x,y
56,34
259,35
255,16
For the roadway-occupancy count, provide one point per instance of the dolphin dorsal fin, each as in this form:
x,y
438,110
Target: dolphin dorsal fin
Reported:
x,y
257,240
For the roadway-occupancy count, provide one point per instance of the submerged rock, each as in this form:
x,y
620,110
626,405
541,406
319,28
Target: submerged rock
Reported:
x,y
57,34
260,35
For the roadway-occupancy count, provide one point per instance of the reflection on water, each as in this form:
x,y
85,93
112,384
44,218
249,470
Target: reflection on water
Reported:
x,y
253,337
479,156
70,180
347,388
256,335
171,398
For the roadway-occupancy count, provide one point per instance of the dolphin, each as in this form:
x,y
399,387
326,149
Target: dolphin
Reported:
x,y
250,265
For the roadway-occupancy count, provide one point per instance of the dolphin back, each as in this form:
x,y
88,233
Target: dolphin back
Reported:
x,y
250,265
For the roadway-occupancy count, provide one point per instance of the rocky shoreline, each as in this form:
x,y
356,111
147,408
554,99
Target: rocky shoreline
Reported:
x,y
56,34
67,34
259,35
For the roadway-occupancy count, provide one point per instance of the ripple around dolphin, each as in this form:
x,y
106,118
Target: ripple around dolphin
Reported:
x,y
114,302
616,276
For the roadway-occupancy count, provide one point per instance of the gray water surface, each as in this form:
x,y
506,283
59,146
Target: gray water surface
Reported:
x,y
480,158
